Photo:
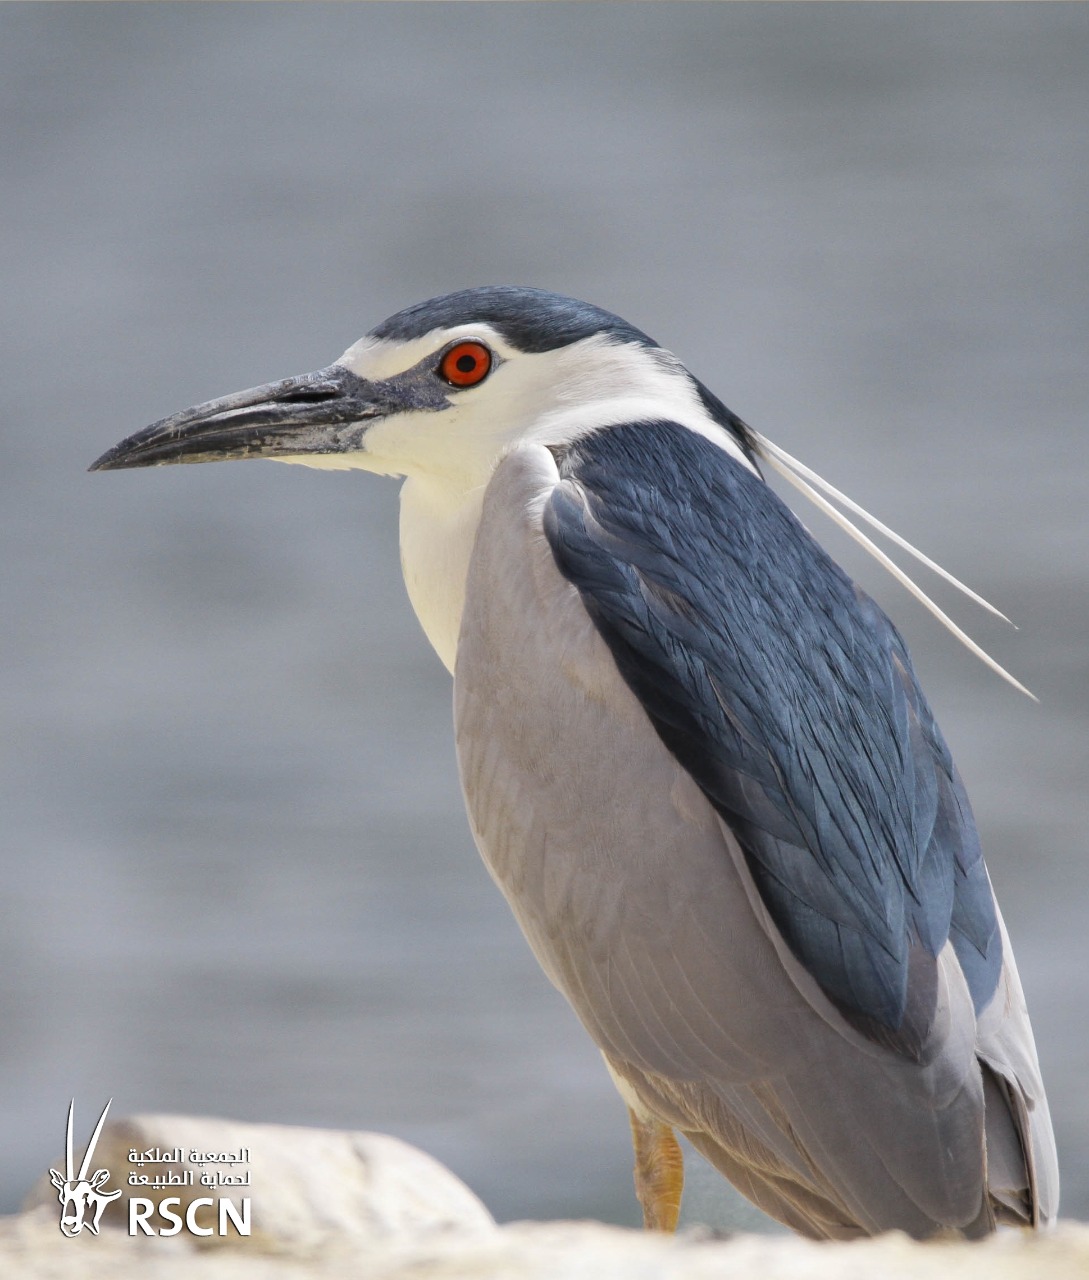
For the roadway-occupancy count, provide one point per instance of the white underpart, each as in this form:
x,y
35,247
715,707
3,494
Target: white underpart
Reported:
x,y
447,457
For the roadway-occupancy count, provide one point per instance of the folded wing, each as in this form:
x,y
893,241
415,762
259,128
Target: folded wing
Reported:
x,y
698,762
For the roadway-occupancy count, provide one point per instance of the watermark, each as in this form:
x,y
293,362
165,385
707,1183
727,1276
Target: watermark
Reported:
x,y
82,1199
188,1210
183,1171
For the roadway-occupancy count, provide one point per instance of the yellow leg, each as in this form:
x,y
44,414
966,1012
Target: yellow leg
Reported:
x,y
659,1172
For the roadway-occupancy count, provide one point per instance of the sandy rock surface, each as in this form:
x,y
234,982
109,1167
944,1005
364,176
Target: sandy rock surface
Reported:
x,y
329,1205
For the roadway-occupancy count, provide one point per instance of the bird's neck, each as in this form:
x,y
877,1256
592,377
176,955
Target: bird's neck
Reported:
x,y
438,527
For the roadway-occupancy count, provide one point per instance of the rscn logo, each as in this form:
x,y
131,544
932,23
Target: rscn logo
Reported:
x,y
82,1199
141,1209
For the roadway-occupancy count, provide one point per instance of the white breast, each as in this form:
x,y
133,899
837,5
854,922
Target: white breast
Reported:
x,y
438,529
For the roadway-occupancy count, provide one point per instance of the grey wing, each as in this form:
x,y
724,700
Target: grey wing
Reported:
x,y
639,903
1011,1075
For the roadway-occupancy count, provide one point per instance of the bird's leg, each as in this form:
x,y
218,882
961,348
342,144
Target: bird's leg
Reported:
x,y
659,1172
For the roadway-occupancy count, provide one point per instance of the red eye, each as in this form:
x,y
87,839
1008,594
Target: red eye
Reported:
x,y
466,364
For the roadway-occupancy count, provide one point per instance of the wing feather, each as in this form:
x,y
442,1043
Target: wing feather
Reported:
x,y
629,877
789,697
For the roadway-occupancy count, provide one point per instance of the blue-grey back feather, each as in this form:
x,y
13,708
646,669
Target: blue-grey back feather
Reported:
x,y
790,698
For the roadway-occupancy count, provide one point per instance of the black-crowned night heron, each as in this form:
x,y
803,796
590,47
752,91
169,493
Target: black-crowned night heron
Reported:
x,y
696,760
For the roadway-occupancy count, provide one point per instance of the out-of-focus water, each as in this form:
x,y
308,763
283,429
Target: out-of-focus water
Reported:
x,y
237,875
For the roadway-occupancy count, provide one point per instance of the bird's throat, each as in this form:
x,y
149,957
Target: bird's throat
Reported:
x,y
438,529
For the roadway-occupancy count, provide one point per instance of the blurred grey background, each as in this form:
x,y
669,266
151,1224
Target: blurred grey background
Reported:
x,y
237,876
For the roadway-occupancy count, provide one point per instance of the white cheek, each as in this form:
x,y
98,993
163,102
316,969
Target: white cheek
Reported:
x,y
429,444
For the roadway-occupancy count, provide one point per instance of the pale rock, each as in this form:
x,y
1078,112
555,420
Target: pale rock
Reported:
x,y
359,1206
310,1188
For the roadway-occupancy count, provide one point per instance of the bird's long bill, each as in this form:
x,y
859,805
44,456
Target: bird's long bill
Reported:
x,y
324,412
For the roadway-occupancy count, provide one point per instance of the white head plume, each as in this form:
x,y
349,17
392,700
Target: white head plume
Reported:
x,y
799,475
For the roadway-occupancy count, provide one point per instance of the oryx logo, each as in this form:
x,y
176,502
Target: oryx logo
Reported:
x,y
82,1199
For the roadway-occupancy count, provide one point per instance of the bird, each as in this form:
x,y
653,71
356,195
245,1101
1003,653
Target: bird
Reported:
x,y
696,760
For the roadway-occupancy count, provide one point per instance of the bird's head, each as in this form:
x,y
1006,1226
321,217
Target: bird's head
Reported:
x,y
443,389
